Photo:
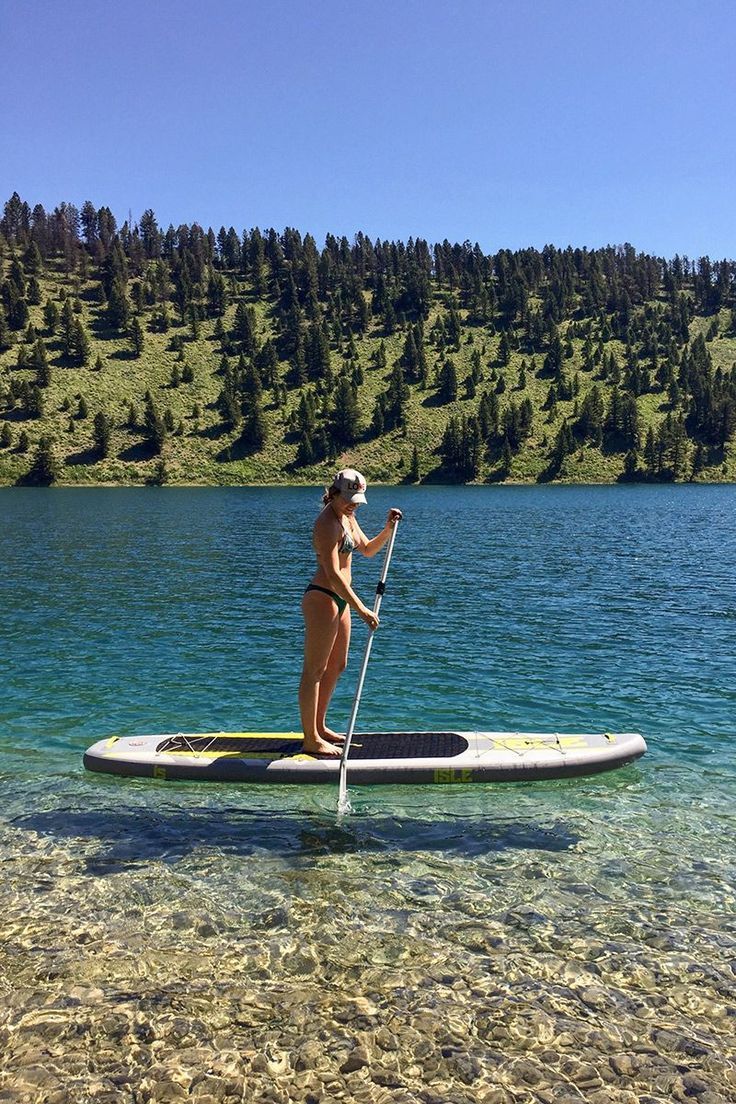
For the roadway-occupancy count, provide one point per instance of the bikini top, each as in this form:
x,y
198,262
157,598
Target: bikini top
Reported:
x,y
347,544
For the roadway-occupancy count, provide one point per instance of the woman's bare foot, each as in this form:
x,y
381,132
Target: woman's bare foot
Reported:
x,y
332,737
320,747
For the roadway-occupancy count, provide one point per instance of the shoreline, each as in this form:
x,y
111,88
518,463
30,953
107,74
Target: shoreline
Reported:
x,y
491,484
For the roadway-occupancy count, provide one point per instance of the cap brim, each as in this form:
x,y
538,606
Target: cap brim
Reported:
x,y
356,498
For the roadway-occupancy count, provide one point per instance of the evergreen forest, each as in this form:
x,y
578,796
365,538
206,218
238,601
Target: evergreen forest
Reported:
x,y
137,354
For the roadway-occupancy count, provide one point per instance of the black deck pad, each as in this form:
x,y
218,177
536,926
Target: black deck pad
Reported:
x,y
371,745
407,745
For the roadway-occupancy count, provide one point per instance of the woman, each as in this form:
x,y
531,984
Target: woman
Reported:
x,y
326,605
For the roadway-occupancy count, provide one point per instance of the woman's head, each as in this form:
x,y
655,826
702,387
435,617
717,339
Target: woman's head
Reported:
x,y
348,487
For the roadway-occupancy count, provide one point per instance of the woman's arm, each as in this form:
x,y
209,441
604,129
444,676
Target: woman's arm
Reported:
x,y
370,547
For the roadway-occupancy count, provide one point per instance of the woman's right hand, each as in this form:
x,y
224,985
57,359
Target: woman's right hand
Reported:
x,y
369,617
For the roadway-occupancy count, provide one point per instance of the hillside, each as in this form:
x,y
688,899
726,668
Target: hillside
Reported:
x,y
133,354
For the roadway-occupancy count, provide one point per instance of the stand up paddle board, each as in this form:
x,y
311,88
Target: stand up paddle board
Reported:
x,y
374,757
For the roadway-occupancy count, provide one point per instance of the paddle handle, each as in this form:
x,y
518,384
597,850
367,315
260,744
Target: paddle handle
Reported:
x,y
343,805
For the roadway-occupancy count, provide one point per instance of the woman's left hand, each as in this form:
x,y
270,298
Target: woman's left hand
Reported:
x,y
394,515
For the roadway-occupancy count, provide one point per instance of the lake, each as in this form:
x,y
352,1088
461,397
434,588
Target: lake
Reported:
x,y
527,942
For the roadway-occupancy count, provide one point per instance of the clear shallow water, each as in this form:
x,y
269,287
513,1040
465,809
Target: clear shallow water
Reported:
x,y
500,943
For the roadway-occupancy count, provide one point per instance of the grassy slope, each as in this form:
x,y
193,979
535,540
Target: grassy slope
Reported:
x,y
199,455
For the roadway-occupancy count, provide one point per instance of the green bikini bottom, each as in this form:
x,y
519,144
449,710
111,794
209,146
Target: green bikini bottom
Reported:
x,y
341,603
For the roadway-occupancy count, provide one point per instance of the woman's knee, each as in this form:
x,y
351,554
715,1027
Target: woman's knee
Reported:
x,y
313,670
341,662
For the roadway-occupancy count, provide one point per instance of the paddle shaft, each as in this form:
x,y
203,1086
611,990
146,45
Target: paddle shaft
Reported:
x,y
343,804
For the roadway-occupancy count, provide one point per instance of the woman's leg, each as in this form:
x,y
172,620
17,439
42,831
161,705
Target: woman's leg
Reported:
x,y
335,666
321,625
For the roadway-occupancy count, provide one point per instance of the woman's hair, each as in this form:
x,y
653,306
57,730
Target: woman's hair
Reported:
x,y
330,493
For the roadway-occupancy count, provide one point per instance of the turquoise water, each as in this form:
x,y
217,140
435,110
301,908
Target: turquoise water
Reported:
x,y
509,939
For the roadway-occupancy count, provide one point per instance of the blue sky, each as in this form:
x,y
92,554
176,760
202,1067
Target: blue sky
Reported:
x,y
510,124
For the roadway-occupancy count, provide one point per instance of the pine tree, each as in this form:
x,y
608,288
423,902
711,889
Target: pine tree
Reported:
x,y
255,428
305,450
45,467
118,306
68,329
101,433
396,397
698,460
305,415
345,414
506,459
159,474
592,413
447,388
80,343
453,327
378,421
317,354
40,362
16,277
563,446
154,425
650,451
137,340
413,474
243,331
32,259
631,465
229,408
554,358
410,356
252,386
6,436
216,295
267,364
6,339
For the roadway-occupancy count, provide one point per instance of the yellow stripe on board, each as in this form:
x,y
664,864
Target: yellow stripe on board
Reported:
x,y
240,735
209,755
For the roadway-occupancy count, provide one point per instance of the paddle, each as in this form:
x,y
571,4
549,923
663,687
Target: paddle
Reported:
x,y
343,803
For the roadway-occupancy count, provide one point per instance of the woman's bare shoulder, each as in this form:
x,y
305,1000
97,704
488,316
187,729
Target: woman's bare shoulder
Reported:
x,y
326,524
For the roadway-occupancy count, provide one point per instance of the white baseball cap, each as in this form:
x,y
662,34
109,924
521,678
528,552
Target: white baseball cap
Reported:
x,y
351,485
